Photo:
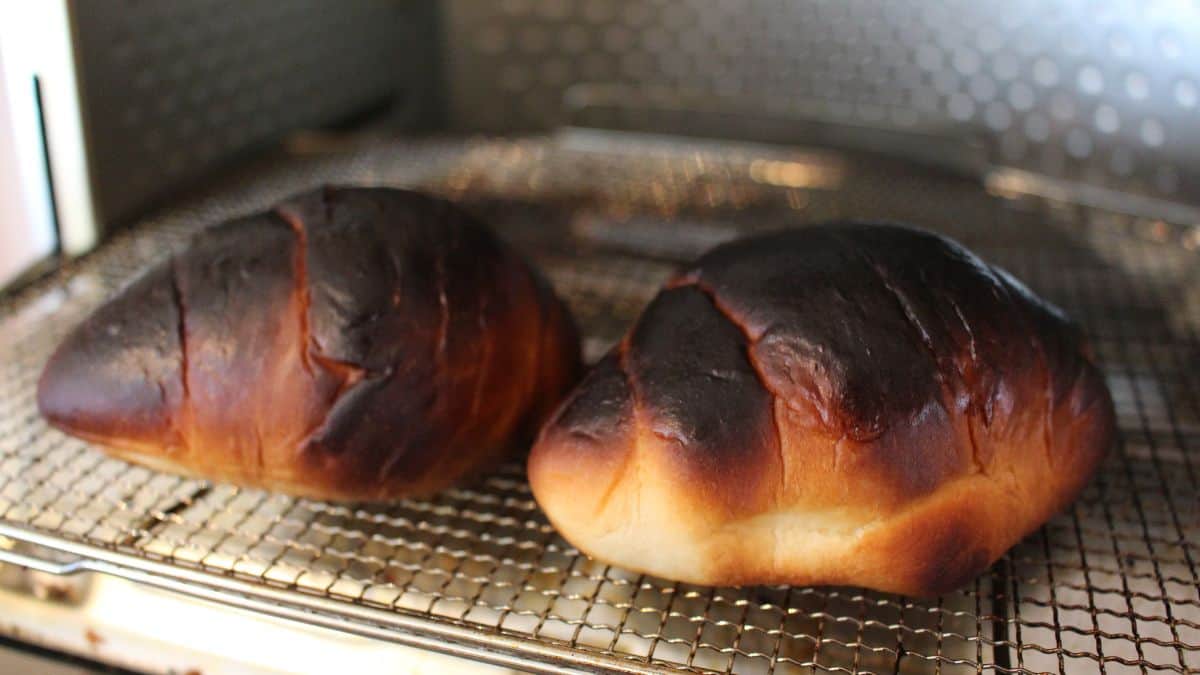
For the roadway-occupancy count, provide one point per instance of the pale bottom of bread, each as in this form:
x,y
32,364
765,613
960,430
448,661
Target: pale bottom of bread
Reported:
x,y
835,516
934,544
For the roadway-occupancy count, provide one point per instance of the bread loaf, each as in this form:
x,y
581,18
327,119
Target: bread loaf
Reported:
x,y
852,404
348,344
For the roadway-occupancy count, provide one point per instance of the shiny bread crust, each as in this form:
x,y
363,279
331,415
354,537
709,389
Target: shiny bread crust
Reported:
x,y
348,344
852,404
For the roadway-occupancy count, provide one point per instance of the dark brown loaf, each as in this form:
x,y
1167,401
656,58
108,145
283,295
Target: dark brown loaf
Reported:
x,y
350,344
863,404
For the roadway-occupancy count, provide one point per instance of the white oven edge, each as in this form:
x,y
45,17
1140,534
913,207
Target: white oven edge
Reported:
x,y
134,626
37,42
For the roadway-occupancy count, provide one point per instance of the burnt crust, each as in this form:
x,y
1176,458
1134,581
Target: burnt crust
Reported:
x,y
124,368
877,389
864,329
348,343
697,390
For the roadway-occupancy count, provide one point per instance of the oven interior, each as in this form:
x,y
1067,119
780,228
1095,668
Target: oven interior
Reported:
x,y
608,197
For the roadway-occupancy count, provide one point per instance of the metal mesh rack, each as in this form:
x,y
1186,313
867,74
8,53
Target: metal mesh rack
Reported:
x,y
1110,586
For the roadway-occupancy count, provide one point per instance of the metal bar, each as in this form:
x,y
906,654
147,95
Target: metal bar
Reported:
x,y
391,626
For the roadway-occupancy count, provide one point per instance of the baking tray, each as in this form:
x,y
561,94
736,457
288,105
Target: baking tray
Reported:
x,y
1109,586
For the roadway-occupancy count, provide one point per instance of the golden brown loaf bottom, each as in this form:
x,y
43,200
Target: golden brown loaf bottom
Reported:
x,y
864,405
349,344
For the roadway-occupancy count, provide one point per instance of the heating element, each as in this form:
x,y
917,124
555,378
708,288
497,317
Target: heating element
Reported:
x,y
1110,586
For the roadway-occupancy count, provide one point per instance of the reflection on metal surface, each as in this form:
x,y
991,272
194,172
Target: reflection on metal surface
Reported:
x,y
794,174
774,121
1014,182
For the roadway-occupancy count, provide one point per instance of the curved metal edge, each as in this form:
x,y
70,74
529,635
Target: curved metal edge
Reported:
x,y
461,641
1019,181
39,565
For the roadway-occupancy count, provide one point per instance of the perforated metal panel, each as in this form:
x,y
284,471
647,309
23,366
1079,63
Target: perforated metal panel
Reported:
x,y
172,89
1110,586
1102,90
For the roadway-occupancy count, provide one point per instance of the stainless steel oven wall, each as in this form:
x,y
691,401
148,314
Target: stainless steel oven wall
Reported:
x,y
172,89
1107,91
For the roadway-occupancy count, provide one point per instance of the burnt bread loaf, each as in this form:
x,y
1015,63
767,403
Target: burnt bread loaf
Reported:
x,y
852,404
348,344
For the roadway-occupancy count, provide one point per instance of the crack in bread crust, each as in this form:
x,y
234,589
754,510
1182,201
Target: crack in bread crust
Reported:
x,y
300,281
634,453
178,416
347,374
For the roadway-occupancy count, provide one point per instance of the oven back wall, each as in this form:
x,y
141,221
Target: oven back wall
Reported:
x,y
173,89
1103,91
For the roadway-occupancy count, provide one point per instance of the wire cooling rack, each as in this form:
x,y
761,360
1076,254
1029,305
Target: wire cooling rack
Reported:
x,y
1110,586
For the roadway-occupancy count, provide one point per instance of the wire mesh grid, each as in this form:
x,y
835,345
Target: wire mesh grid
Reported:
x,y
1110,586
